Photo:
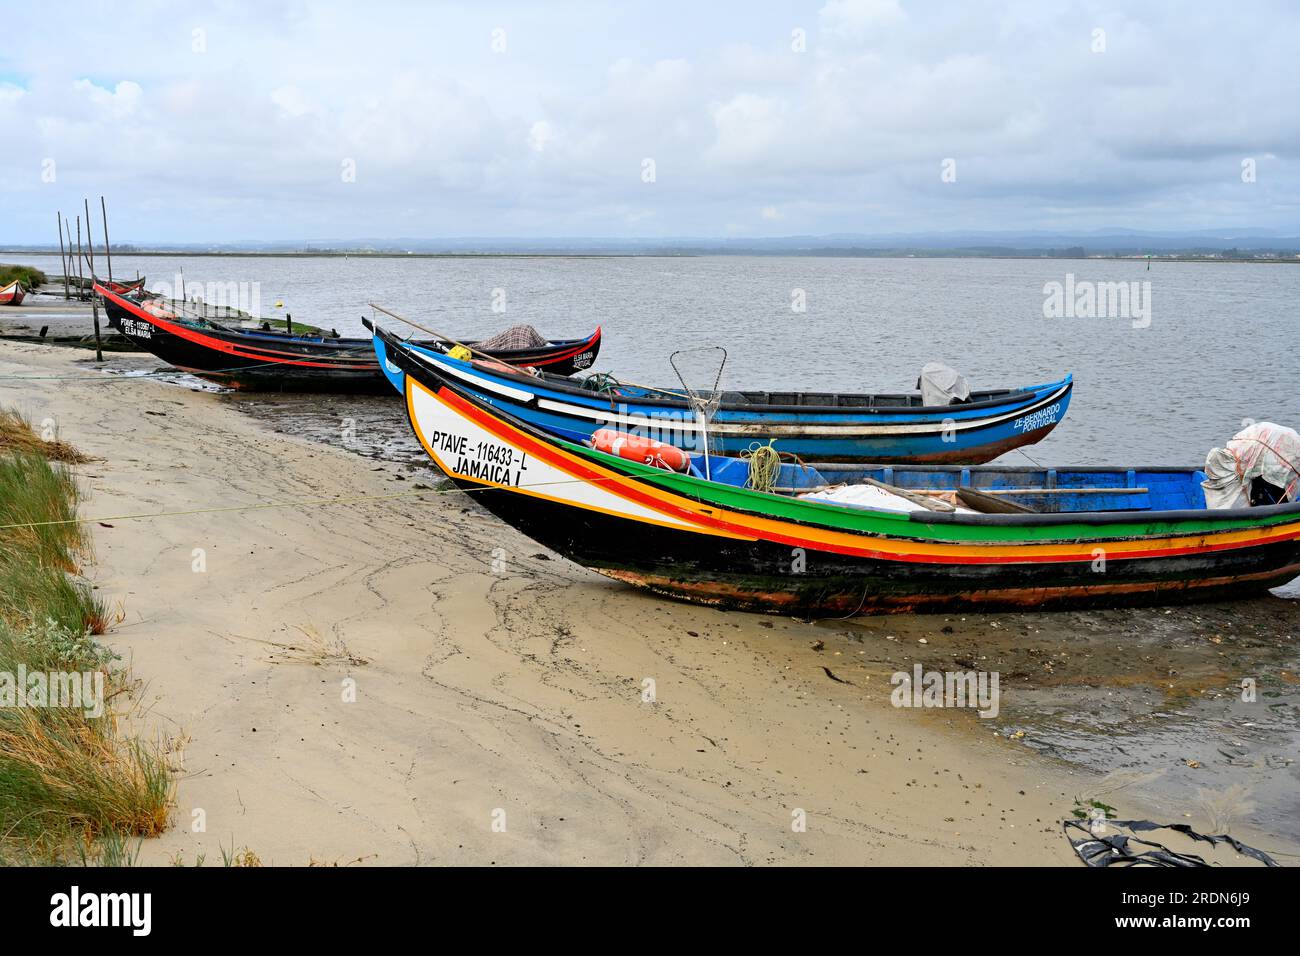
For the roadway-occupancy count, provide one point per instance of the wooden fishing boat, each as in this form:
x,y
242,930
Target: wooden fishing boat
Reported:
x,y
280,361
12,294
127,288
1095,537
819,426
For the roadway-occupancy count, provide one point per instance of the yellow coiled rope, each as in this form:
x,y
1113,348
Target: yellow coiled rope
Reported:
x,y
764,466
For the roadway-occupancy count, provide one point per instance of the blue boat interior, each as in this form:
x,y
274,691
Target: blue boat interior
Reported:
x,y
1042,490
809,399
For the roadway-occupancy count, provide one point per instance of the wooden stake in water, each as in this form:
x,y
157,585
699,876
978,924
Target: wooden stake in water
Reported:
x,y
94,300
81,279
70,275
108,250
63,263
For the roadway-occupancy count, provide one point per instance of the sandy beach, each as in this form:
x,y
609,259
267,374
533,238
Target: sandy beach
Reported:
x,y
383,674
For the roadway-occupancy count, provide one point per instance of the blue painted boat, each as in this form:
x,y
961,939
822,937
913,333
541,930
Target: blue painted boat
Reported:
x,y
815,426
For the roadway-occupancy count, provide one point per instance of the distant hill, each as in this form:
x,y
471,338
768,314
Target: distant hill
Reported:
x,y
1235,243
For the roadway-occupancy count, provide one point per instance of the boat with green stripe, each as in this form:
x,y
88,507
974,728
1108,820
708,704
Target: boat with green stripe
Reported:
x,y
843,540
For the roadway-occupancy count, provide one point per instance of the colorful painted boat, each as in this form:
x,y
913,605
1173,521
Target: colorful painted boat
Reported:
x,y
127,288
816,426
12,294
1098,537
279,361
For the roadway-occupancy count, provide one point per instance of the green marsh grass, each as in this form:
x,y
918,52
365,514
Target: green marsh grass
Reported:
x,y
28,276
70,784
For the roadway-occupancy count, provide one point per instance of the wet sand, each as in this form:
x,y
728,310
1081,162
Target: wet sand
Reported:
x,y
66,322
497,685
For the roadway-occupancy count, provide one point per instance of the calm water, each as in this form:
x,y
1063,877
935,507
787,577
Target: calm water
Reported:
x,y
1221,346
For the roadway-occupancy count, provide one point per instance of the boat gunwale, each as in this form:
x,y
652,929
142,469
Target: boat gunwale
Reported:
x,y
220,331
1022,395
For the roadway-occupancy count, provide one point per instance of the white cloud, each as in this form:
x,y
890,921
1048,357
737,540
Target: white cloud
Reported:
x,y
856,18
118,103
548,137
540,134
291,101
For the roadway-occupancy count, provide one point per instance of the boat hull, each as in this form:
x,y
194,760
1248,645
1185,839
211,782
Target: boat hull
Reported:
x,y
272,361
683,566
732,547
12,294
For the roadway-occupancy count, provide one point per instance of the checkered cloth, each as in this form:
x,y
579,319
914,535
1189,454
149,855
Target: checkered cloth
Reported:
x,y
515,337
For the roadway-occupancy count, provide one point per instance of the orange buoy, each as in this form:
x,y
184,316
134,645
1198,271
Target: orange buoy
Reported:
x,y
637,448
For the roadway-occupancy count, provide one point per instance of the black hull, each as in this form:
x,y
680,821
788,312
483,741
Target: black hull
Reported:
x,y
279,362
760,576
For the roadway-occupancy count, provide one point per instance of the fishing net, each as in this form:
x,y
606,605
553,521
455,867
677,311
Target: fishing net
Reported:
x,y
514,338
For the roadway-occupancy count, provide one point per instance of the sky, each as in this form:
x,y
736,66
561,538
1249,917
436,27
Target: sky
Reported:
x,y
224,121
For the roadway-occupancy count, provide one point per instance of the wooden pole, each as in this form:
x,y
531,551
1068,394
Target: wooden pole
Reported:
x,y
474,351
63,263
81,279
70,275
436,335
94,301
108,251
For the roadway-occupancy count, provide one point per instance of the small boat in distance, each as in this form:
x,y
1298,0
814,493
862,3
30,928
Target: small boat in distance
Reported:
x,y
815,426
272,360
12,294
850,543
127,288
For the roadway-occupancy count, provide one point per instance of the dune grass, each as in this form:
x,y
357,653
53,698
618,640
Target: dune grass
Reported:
x,y
17,435
27,275
70,781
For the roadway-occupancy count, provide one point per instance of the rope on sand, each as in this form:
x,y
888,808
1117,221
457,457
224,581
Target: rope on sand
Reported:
x,y
303,502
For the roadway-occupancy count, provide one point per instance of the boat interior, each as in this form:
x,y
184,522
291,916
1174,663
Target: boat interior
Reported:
x,y
605,384
983,489
829,399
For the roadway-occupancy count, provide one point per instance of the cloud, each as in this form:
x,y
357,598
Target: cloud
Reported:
x,y
540,134
847,132
855,18
291,101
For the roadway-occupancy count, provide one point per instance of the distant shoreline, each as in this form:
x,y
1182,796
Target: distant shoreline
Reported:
x,y
686,254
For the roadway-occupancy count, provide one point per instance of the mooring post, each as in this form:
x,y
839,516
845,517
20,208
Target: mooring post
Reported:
x,y
108,250
94,302
70,275
63,263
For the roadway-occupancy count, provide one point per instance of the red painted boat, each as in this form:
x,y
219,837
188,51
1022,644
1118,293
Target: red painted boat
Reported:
x,y
266,360
12,294
126,288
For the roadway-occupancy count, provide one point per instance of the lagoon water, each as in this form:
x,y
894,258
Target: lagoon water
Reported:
x,y
1220,346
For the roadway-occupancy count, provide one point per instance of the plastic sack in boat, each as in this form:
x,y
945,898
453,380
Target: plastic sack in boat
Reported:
x,y
941,385
1264,450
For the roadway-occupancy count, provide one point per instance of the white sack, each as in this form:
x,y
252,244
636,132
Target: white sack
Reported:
x,y
941,385
1263,450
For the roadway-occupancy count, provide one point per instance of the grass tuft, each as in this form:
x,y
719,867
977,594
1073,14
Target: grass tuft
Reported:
x,y
29,277
17,436
71,784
